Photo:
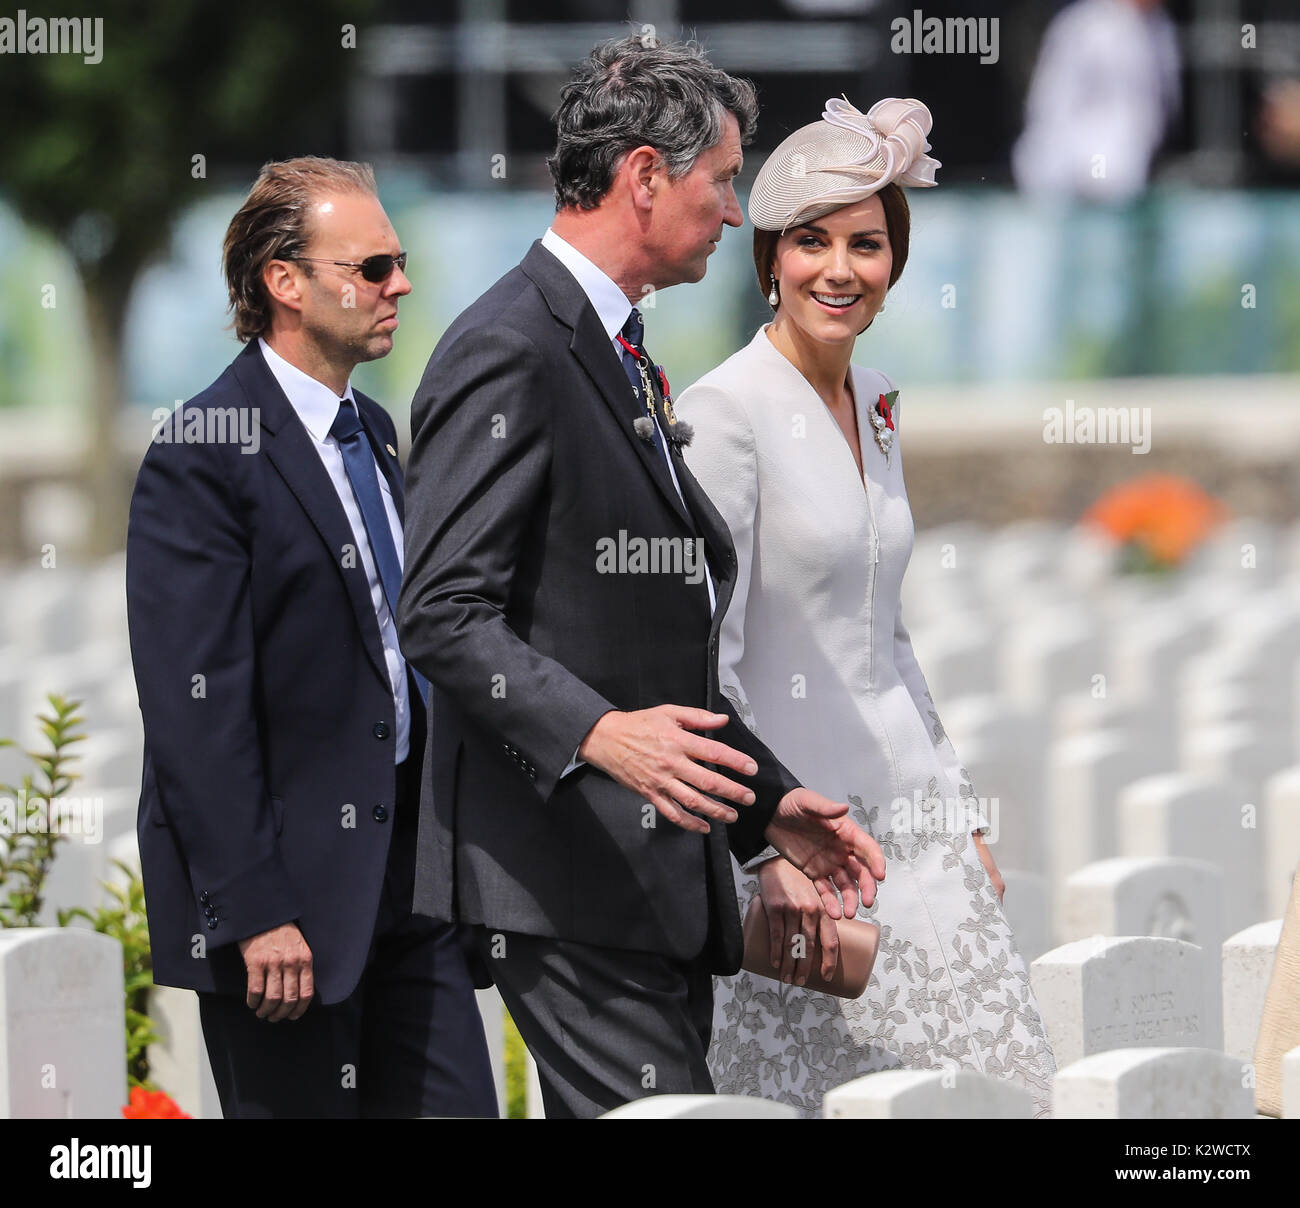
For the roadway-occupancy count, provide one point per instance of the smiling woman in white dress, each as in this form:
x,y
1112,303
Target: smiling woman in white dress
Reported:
x,y
797,449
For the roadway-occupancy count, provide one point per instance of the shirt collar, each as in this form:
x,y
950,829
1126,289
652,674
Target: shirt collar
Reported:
x,y
315,403
609,302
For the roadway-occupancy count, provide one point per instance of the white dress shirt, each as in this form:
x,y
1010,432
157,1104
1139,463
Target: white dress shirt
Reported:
x,y
318,406
613,310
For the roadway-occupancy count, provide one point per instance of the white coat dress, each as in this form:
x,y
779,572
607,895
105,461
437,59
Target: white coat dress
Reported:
x,y
817,660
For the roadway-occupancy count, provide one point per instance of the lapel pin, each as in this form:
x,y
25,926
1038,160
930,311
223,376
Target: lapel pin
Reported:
x,y
392,452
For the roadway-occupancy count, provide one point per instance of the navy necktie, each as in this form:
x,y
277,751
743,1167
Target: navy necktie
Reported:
x,y
634,332
359,462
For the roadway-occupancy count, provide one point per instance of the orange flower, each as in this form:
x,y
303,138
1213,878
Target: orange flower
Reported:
x,y
1165,517
152,1105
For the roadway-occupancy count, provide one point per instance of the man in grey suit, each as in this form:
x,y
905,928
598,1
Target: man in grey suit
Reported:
x,y
565,582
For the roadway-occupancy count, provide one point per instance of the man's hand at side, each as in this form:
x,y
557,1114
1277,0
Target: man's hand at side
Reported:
x,y
653,753
280,982
816,835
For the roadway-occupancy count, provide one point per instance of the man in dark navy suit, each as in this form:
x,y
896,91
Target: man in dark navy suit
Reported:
x,y
283,728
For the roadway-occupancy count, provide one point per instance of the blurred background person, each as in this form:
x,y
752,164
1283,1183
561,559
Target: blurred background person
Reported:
x,y
1104,91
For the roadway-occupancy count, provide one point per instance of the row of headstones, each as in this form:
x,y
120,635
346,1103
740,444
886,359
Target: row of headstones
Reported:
x,y
1096,812
1126,1019
1221,636
57,605
61,1019
1058,756
1176,667
1126,1084
62,1024
1119,716
1104,798
1169,897
993,567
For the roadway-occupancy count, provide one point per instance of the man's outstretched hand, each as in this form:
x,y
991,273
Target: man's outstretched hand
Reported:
x,y
817,836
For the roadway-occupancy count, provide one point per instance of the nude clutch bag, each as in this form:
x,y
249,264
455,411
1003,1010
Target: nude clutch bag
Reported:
x,y
859,941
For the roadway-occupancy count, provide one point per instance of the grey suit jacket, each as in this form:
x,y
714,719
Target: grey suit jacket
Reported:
x,y
528,493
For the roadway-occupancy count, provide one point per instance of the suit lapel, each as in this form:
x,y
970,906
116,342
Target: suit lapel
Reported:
x,y
388,463
592,347
289,447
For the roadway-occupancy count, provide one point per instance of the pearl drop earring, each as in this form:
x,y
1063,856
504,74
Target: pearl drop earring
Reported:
x,y
773,298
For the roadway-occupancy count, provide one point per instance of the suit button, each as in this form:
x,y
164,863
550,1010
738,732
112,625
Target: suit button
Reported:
x,y
381,729
204,898
379,813
212,924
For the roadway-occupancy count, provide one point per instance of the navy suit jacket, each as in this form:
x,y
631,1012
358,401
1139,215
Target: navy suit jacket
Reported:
x,y
269,790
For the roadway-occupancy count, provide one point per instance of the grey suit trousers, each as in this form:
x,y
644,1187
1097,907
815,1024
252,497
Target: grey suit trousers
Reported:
x,y
605,1025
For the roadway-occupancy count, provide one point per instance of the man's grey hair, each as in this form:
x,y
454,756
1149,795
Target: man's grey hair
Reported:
x,y
630,93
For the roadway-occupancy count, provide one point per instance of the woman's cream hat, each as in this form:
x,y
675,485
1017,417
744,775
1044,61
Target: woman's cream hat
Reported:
x,y
842,159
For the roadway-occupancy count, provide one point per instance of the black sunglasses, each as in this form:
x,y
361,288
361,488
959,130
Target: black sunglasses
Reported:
x,y
373,268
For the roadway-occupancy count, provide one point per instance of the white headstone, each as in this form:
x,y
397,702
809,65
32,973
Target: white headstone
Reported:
x,y
1002,748
1149,649
178,1059
1022,558
1087,558
1119,992
111,759
1048,653
62,1025
1154,1084
1179,814
1240,752
493,1013
1175,898
1087,710
83,857
87,674
928,1095
535,1105
956,654
1027,907
702,1107
44,609
1247,966
1281,827
1243,546
1085,776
